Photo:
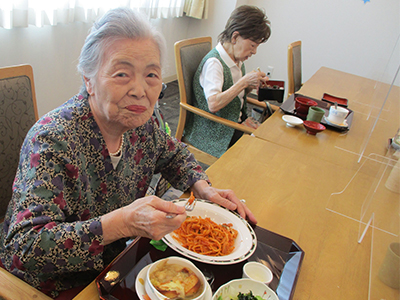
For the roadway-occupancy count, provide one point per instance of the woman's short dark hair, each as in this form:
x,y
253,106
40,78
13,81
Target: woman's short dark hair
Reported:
x,y
251,23
115,24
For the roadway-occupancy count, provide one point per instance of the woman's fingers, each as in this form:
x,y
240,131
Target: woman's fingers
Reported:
x,y
147,217
228,199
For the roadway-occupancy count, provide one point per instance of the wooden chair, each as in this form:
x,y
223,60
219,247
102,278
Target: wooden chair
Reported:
x,y
188,55
18,112
294,67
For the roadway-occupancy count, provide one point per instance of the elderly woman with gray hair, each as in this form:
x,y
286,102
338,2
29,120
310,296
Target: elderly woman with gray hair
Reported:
x,y
221,84
80,188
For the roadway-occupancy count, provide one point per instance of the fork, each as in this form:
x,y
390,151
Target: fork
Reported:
x,y
189,206
191,203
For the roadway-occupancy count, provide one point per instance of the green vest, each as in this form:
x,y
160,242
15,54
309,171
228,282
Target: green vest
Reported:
x,y
204,134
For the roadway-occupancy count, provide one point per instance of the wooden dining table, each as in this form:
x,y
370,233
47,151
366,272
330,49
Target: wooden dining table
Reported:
x,y
374,120
289,192
316,190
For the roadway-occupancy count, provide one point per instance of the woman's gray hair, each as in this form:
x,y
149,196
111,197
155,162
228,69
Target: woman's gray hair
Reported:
x,y
115,24
250,21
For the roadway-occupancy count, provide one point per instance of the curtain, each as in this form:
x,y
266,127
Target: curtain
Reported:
x,y
21,13
196,9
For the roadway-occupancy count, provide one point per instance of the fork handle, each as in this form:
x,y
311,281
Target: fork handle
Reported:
x,y
170,216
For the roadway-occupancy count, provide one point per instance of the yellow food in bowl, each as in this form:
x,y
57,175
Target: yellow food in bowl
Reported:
x,y
173,280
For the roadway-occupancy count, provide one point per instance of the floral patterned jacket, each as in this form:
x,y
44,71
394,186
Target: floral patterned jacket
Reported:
x,y
52,233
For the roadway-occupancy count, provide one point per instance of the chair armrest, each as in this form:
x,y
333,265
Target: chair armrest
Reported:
x,y
217,119
261,103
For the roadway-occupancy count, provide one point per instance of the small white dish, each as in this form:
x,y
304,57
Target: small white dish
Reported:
x,y
344,124
257,271
141,290
232,288
292,121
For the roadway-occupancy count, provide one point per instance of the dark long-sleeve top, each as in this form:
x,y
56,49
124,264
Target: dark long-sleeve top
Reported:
x,y
52,233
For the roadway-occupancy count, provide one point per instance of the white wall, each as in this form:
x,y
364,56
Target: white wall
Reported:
x,y
347,35
53,52
219,11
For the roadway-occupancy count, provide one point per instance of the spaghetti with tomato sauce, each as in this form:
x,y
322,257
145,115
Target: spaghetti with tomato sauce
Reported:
x,y
206,237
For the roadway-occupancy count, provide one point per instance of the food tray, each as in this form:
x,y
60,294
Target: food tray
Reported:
x,y
282,255
288,108
275,92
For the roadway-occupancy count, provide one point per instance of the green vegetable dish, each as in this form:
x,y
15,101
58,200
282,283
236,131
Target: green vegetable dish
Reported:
x,y
240,296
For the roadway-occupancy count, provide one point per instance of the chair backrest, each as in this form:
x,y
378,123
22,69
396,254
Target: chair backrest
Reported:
x,y
18,112
188,55
294,67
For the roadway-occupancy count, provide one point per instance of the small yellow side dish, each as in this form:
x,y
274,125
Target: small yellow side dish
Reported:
x,y
173,280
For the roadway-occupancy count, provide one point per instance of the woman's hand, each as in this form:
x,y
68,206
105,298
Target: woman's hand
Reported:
x,y
144,217
225,198
247,83
254,79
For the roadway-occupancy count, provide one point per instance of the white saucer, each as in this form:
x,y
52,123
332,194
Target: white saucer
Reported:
x,y
344,124
141,279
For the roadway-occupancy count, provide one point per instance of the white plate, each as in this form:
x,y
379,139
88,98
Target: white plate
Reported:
x,y
246,240
292,121
344,124
140,282
141,291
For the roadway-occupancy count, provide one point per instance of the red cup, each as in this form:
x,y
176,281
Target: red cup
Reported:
x,y
302,104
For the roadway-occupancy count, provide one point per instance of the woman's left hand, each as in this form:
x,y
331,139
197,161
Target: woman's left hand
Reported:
x,y
225,198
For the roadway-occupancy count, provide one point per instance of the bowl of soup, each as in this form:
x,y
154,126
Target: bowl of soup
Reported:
x,y
175,277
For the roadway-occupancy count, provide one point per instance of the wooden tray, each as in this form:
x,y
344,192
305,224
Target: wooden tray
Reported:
x,y
275,92
281,254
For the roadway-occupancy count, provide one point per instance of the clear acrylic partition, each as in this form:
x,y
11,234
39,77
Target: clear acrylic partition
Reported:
x,y
371,197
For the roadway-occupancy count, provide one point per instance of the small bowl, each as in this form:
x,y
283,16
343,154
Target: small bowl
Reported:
x,y
313,127
231,289
257,271
292,121
155,294
302,104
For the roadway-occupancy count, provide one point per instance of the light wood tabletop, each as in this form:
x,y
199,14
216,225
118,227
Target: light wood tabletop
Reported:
x,y
289,192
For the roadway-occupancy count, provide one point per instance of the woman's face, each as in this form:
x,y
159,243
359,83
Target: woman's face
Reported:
x,y
127,85
243,48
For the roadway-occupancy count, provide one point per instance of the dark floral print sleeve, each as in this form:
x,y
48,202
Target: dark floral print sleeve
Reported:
x,y
52,233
